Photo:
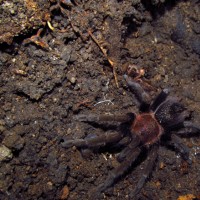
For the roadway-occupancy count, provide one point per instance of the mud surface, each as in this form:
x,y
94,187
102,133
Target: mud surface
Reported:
x,y
48,79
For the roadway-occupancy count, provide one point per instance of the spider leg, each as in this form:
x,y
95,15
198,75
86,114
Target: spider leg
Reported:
x,y
189,128
177,143
121,144
138,90
148,169
95,141
190,124
96,118
117,172
134,143
159,99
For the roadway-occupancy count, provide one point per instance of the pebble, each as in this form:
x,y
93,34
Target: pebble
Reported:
x,y
5,153
64,193
13,141
72,80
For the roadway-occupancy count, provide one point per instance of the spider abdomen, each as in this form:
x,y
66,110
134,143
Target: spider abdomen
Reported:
x,y
146,127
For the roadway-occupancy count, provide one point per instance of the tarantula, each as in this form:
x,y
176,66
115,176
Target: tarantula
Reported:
x,y
158,119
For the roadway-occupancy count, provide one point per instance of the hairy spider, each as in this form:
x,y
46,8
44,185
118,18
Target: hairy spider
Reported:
x,y
163,117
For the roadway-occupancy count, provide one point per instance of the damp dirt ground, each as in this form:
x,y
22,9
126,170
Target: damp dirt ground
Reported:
x,y
49,77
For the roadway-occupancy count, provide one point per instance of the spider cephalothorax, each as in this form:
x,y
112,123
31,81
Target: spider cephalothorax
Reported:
x,y
146,127
164,116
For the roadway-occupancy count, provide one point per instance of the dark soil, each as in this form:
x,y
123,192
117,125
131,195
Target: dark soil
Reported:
x,y
63,73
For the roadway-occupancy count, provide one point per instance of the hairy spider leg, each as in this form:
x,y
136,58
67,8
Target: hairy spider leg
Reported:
x,y
189,128
101,140
122,143
110,117
147,170
141,95
189,124
187,132
159,99
117,172
178,144
95,141
134,143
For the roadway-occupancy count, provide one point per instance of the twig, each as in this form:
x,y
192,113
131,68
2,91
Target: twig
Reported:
x,y
105,54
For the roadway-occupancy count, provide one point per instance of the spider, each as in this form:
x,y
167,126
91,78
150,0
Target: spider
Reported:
x,y
164,118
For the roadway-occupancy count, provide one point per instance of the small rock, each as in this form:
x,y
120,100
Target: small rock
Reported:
x,y
72,80
49,186
5,153
66,53
64,193
71,77
13,141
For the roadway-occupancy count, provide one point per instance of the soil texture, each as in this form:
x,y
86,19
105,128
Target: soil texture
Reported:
x,y
59,59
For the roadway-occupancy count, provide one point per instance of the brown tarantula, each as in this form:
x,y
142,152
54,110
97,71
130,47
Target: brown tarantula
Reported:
x,y
156,120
